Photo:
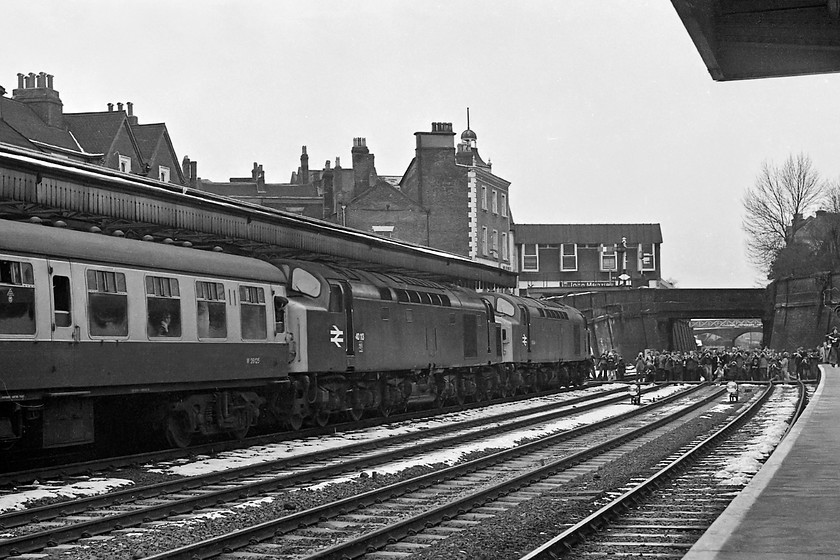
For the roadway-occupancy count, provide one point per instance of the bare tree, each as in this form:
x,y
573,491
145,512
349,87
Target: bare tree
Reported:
x,y
775,205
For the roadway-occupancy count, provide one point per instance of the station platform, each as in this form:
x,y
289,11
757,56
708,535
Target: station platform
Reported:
x,y
791,509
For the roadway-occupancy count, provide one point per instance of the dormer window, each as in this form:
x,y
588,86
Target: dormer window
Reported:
x,y
125,164
163,173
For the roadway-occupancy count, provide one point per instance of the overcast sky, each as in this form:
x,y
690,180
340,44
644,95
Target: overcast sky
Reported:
x,y
596,111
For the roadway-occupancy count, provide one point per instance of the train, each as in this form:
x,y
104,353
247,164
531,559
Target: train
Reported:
x,y
96,330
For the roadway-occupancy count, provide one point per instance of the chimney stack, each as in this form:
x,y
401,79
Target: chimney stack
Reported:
x,y
36,92
130,109
303,176
364,173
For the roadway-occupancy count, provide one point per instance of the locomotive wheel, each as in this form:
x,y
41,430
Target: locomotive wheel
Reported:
x,y
321,417
178,431
240,433
385,410
355,414
295,422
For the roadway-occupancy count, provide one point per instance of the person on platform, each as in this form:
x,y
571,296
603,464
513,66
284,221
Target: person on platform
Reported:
x,y
833,340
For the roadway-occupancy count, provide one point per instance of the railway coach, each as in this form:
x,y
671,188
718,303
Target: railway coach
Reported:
x,y
95,328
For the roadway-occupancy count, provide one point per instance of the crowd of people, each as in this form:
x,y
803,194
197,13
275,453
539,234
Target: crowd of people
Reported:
x,y
732,364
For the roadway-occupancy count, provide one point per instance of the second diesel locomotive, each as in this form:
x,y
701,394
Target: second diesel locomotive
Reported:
x,y
95,328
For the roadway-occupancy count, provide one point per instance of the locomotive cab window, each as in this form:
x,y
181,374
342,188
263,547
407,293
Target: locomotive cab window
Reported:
x,y
17,298
107,303
280,304
163,306
252,313
305,283
211,313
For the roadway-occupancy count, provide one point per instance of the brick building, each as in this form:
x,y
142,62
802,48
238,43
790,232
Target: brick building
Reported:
x,y
448,197
556,259
34,118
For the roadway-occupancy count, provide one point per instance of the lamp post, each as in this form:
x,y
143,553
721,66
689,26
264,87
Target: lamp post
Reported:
x,y
623,278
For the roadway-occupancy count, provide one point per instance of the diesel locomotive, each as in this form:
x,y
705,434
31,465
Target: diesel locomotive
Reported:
x,y
97,329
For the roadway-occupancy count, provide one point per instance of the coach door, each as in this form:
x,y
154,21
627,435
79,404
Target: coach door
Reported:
x,y
64,326
341,299
526,322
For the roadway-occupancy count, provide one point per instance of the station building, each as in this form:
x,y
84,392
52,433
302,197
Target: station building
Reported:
x,y
448,198
558,259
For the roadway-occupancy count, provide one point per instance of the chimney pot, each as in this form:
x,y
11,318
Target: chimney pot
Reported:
x,y
337,161
30,80
119,106
50,81
21,82
110,107
130,107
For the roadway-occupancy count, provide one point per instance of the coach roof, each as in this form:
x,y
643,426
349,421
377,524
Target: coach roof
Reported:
x,y
53,242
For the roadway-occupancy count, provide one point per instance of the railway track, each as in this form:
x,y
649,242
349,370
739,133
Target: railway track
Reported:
x,y
663,515
56,524
18,470
370,520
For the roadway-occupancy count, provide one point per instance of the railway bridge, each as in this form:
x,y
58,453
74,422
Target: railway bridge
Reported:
x,y
629,321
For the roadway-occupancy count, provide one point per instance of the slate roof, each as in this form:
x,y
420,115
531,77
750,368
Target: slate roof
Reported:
x,y
29,125
587,233
96,131
148,137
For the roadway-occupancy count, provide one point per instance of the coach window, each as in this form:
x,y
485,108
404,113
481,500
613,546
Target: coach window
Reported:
x,y
253,313
17,298
163,307
107,303
210,309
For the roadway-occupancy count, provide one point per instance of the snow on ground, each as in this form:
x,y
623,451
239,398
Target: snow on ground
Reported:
x,y
740,468
258,454
79,489
287,449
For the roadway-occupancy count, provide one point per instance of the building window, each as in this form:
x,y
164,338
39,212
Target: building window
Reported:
x,y
483,240
494,243
504,205
568,257
125,164
530,257
384,231
608,258
504,246
163,173
647,256
484,198
494,201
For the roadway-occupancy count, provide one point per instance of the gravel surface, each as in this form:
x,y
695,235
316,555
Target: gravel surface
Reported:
x,y
508,536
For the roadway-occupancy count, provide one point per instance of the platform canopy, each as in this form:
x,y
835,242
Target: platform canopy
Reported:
x,y
746,39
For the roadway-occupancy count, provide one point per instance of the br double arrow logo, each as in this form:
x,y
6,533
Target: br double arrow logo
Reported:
x,y
336,336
